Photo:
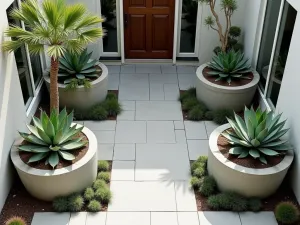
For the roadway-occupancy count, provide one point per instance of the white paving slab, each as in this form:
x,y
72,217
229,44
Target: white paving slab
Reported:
x,y
142,196
49,218
157,92
168,69
179,125
188,218
158,110
101,125
195,130
164,218
134,80
186,69
260,218
131,132
122,170
147,68
105,151
128,105
105,137
98,218
113,81
164,162
185,197
128,218
186,80
160,132
126,115
210,127
124,152
180,136
197,148
78,218
170,78
219,218
135,93
171,92
113,69
128,69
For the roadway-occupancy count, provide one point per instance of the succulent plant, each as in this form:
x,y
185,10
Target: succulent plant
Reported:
x,y
52,137
229,65
258,135
77,69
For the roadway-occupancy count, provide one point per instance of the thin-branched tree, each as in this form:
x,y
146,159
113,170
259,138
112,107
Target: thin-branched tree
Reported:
x,y
213,22
56,28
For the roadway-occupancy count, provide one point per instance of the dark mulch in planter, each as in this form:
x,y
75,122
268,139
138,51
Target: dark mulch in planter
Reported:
x,y
20,203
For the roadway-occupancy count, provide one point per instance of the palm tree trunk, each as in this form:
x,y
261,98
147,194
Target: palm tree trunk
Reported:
x,y
54,97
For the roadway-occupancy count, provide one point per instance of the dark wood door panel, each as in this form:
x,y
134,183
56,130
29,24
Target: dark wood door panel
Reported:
x,y
137,32
159,3
160,36
137,3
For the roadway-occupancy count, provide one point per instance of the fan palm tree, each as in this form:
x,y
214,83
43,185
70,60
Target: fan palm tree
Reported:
x,y
56,26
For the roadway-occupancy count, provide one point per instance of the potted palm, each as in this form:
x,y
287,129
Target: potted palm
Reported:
x,y
249,155
236,83
42,157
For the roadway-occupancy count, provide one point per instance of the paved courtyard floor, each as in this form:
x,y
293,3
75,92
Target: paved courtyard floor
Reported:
x,y
151,148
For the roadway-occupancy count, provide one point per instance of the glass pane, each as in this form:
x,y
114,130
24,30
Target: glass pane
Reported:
x,y
188,26
36,68
266,46
22,63
281,52
110,40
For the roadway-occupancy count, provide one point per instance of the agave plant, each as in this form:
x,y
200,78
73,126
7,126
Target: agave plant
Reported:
x,y
258,135
229,65
52,138
80,68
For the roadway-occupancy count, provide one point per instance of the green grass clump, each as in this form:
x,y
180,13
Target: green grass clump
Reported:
x,y
221,114
199,172
287,213
103,195
196,182
99,184
97,112
209,115
189,103
111,95
61,204
198,167
88,194
76,202
112,107
16,220
94,206
190,93
228,201
208,186
103,165
254,204
196,113
104,176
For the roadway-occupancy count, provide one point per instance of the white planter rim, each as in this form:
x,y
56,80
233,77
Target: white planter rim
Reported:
x,y
242,88
17,161
81,87
213,139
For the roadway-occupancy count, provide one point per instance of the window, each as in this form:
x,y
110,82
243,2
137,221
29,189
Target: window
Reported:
x,y
188,26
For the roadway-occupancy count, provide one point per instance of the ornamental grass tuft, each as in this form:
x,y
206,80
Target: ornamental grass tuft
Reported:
x,y
103,195
103,166
16,220
61,204
99,184
208,186
89,194
287,213
76,202
94,206
104,176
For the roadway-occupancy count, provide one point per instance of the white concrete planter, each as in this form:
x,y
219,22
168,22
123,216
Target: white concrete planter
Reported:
x,y
220,97
48,184
82,97
245,181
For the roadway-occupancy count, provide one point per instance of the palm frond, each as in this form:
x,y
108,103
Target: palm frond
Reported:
x,y
74,46
29,10
11,46
35,49
89,20
73,13
56,51
91,35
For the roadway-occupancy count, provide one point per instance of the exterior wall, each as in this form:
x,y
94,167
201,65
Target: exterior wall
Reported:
x,y
13,115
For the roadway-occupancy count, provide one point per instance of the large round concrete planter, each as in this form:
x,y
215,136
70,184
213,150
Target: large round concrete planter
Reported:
x,y
220,97
48,184
83,98
245,181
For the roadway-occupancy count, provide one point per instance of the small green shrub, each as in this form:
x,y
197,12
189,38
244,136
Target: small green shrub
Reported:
x,y
190,93
208,187
111,95
199,172
76,202
196,113
221,114
99,184
94,206
254,204
104,176
202,159
16,220
103,195
112,107
228,201
189,103
97,112
196,182
61,204
198,167
209,115
103,165
287,213
88,194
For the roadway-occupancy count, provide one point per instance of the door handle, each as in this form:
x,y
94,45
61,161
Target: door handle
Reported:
x,y
125,20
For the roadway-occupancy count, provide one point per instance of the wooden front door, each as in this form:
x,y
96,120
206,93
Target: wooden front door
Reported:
x,y
149,28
